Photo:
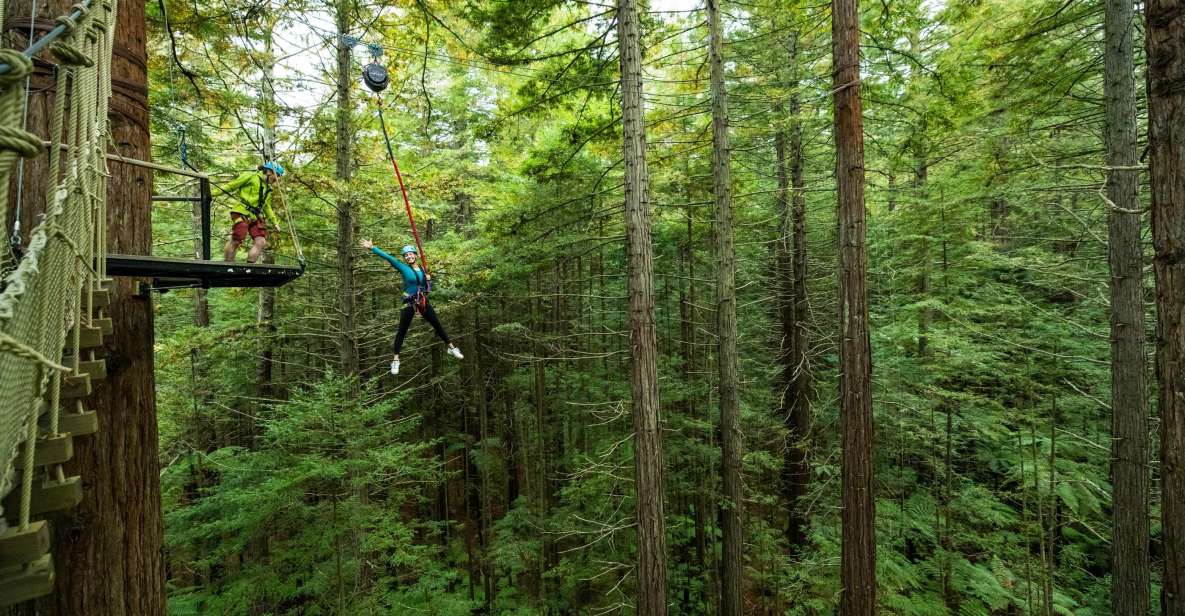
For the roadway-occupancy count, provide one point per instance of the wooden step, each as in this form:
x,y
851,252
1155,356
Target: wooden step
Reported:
x,y
100,298
104,324
51,449
48,495
79,424
24,583
18,547
95,368
76,386
90,338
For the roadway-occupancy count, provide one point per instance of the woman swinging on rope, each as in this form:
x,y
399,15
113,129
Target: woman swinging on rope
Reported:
x,y
416,285
417,282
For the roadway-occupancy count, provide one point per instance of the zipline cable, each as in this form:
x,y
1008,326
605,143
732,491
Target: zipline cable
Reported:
x,y
43,42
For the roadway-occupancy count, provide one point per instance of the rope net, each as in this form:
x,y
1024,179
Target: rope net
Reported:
x,y
47,297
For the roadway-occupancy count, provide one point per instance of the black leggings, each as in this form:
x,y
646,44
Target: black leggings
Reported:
x,y
405,317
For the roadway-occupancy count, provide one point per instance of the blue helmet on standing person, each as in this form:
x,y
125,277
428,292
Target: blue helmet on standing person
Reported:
x,y
274,167
409,248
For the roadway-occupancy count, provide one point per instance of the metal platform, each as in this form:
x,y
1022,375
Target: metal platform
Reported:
x,y
167,272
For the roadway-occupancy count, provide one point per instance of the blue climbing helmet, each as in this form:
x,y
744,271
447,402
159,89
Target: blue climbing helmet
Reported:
x,y
407,249
274,167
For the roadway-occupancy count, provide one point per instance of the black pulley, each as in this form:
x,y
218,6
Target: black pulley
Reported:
x,y
376,77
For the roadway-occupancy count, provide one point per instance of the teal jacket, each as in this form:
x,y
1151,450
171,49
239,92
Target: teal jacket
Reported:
x,y
413,279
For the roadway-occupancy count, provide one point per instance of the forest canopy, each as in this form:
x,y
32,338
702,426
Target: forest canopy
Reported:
x,y
660,389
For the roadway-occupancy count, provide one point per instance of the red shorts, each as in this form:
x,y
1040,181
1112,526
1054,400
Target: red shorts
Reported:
x,y
242,227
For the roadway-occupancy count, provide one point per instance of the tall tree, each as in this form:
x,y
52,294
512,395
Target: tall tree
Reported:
x,y
648,459
1129,429
268,117
732,564
858,559
794,403
1165,42
347,343
921,171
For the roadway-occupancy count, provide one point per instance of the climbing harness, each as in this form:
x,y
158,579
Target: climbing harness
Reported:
x,y
419,301
377,79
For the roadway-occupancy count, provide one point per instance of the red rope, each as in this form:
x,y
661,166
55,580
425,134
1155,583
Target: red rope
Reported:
x,y
402,188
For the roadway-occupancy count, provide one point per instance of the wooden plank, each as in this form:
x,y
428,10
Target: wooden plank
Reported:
x,y
18,547
25,583
76,386
91,338
116,158
47,496
96,369
104,325
79,424
53,449
100,298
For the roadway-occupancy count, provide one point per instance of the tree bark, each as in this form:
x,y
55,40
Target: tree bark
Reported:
x,y
477,476
1130,572
1165,41
858,553
201,303
267,295
347,344
648,459
732,564
794,401
921,172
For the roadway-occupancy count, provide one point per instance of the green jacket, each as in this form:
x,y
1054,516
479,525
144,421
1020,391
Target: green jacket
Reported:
x,y
252,196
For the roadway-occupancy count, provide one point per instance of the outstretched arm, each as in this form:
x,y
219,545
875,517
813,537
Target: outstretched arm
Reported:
x,y
395,263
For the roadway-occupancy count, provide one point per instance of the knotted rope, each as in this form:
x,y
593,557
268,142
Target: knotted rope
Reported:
x,y
42,308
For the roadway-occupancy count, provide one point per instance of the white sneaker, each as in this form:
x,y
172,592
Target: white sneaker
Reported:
x,y
455,352
395,367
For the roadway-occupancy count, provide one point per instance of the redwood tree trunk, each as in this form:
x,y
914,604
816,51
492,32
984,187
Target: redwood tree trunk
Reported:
x,y
732,563
108,551
1165,40
648,460
1129,430
858,554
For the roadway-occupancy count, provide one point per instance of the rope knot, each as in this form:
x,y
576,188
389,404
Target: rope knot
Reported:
x,y
19,66
13,139
70,55
67,22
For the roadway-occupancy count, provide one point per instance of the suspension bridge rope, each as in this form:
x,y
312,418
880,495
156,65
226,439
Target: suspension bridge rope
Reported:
x,y
48,298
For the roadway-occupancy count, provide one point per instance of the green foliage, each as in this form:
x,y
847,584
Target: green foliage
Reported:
x,y
504,483
271,525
